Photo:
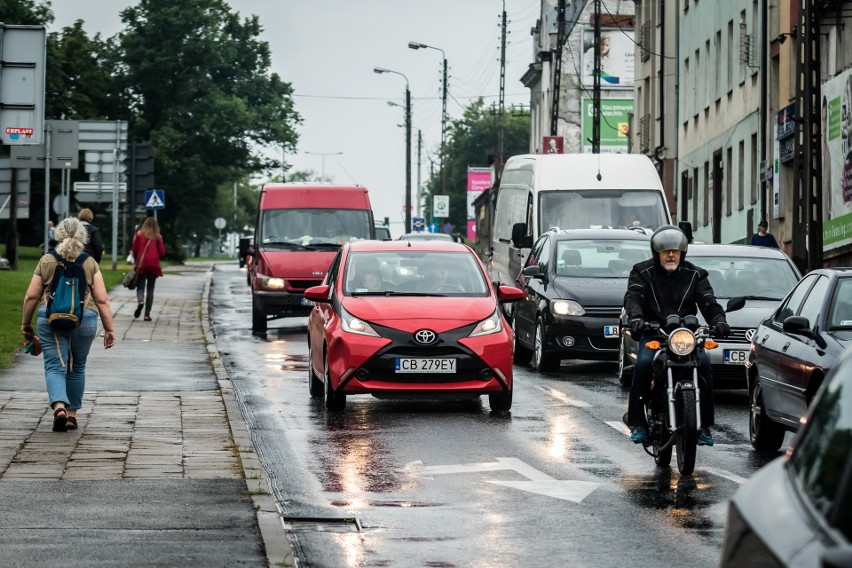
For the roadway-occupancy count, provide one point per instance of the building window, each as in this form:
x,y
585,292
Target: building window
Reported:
x,y
741,176
730,55
755,170
693,194
729,173
718,84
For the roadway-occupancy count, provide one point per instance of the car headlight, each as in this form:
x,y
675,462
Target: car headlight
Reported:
x,y
270,282
682,342
351,324
566,308
491,324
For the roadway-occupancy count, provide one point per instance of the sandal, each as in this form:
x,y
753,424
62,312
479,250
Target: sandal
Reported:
x,y
147,318
60,422
71,423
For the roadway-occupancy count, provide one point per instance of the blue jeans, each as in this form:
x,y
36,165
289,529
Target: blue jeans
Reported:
x,y
640,391
65,353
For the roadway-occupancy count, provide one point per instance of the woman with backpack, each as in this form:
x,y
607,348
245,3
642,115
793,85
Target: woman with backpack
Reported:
x,y
66,332
147,249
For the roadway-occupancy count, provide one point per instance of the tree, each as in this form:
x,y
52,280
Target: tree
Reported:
x,y
25,12
199,87
472,142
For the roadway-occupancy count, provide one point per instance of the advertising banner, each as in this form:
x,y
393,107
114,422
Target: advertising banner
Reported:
x,y
553,144
478,180
837,161
617,58
615,121
441,206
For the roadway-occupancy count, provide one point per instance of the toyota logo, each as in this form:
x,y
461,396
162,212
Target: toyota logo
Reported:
x,y
750,334
425,337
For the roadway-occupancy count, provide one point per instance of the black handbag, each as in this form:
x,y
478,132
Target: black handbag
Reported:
x,y
131,279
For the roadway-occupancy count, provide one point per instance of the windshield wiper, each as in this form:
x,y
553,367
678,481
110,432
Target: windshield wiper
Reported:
x,y
283,244
761,298
323,245
840,328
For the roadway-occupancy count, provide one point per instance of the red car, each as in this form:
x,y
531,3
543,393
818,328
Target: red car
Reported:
x,y
409,319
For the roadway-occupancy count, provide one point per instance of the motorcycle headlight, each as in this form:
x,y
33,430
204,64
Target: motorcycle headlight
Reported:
x,y
566,308
682,342
351,324
491,324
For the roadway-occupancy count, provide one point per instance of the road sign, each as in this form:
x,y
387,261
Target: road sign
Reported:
x,y
22,177
64,153
22,79
441,206
95,192
103,135
104,163
418,224
219,223
155,199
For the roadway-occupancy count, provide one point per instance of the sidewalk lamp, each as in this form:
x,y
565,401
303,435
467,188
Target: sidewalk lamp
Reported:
x,y
380,71
418,45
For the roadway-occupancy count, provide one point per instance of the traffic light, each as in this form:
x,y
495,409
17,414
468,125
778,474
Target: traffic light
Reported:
x,y
139,171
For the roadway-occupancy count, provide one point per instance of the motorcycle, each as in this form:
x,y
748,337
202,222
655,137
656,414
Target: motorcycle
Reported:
x,y
673,410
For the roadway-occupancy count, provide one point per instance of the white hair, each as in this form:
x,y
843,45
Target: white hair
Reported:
x,y
72,237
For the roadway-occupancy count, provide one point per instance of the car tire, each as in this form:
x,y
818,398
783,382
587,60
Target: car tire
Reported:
x,y
625,365
258,318
542,361
335,399
522,354
315,385
500,402
765,435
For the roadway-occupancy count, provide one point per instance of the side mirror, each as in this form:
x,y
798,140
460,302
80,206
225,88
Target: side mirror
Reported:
x,y
798,325
318,293
519,236
837,557
533,271
509,294
735,303
686,227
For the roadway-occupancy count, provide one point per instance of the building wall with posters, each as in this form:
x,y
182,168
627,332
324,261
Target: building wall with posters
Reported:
x,y
718,118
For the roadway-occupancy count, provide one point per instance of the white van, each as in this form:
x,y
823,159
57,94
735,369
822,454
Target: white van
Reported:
x,y
570,191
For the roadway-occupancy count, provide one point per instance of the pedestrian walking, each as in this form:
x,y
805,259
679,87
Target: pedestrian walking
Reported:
x,y
66,350
147,250
762,238
95,245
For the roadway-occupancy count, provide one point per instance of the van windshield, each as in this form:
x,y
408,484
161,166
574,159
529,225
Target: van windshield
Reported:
x,y
313,227
596,208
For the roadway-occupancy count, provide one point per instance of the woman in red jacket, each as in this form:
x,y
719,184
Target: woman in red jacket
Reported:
x,y
147,249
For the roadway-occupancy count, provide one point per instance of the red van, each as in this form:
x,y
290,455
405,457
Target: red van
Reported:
x,y
299,229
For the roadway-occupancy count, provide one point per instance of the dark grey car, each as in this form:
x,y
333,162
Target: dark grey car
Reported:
x,y
797,510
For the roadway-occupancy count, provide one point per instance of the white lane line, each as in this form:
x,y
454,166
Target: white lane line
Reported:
x,y
561,396
724,473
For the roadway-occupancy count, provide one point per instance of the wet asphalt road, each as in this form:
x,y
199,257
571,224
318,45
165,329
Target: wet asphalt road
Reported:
x,y
392,483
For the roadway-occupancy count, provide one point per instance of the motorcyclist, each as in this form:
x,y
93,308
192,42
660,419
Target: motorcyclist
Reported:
x,y
665,285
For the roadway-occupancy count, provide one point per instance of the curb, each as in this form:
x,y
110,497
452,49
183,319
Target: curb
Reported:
x,y
275,538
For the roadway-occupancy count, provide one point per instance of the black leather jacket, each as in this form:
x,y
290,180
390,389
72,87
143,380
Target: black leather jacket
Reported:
x,y
653,294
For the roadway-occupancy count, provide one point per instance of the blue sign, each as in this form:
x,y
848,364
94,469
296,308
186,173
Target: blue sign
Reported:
x,y
418,224
155,199
433,228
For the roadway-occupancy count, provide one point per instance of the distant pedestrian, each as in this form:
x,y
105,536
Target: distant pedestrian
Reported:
x,y
95,245
147,250
763,238
448,228
51,236
66,350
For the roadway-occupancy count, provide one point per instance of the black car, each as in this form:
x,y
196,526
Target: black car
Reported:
x,y
793,350
575,282
797,510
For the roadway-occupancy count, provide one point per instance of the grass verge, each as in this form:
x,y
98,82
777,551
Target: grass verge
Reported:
x,y
13,285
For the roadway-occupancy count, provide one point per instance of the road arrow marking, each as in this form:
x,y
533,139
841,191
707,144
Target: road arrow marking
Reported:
x,y
540,483
559,395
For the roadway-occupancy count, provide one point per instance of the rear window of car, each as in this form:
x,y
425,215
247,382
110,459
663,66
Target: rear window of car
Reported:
x,y
414,272
822,458
770,278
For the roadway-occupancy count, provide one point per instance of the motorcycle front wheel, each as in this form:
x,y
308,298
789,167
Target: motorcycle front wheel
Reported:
x,y
686,438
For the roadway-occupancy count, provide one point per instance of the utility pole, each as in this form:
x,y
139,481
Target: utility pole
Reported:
x,y
596,85
407,158
419,187
557,67
501,118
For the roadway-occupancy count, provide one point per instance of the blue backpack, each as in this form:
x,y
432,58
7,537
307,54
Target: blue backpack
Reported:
x,y
67,293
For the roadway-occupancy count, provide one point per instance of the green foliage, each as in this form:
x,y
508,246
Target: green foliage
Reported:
x,y
25,12
472,142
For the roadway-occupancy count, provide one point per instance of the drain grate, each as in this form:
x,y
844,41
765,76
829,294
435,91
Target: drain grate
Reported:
x,y
322,524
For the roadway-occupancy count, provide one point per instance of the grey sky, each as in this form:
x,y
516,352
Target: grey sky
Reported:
x,y
328,49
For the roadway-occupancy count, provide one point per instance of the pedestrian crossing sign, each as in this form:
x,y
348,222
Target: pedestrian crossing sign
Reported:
x,y
155,199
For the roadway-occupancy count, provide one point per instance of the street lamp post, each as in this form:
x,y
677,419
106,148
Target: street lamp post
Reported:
x,y
324,154
381,70
418,45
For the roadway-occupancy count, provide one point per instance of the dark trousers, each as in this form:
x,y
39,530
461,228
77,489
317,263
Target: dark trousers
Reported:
x,y
643,373
146,284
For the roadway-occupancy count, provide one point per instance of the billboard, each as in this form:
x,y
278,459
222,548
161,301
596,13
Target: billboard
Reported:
x,y
617,58
478,180
615,122
836,123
